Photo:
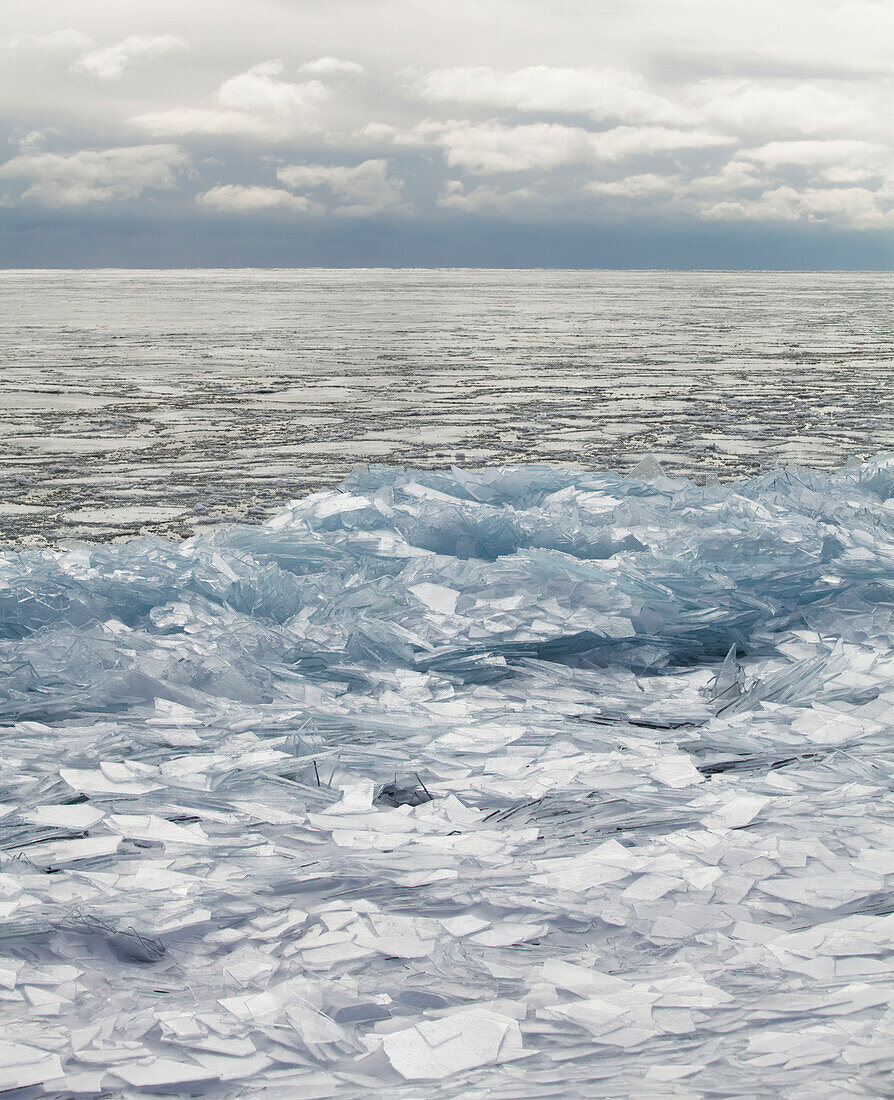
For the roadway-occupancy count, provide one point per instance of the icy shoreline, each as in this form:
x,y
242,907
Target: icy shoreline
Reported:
x,y
655,722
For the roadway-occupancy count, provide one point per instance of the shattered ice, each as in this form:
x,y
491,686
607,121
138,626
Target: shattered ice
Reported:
x,y
505,783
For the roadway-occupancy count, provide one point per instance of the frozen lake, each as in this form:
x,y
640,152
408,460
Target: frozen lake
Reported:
x,y
167,401
534,780
516,783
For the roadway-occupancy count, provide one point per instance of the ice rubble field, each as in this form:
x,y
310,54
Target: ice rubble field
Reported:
x,y
516,782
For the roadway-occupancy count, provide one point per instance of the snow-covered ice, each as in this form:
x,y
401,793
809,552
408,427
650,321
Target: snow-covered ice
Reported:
x,y
512,782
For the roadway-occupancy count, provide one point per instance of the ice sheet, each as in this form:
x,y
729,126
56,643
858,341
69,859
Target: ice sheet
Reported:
x,y
511,782
167,402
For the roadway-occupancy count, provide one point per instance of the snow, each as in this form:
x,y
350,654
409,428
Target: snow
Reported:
x,y
523,781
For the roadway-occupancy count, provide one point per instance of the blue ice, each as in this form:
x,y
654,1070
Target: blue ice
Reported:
x,y
512,782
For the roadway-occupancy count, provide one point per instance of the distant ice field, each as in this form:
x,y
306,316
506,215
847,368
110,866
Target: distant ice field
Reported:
x,y
153,401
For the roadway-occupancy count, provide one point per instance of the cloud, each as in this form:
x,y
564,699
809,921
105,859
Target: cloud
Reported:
x,y
837,161
61,41
868,157
756,185
635,187
853,207
735,175
87,176
110,62
486,200
813,152
236,199
492,147
331,66
32,141
361,190
600,93
628,141
745,106
204,122
255,104
778,112
259,90
751,188
754,108
364,190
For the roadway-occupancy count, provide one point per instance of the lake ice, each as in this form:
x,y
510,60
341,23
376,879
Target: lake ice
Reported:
x,y
172,401
527,781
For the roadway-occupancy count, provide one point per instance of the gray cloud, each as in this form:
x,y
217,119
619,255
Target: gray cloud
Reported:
x,y
584,113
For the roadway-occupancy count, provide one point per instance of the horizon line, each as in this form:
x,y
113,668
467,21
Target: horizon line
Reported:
x,y
476,267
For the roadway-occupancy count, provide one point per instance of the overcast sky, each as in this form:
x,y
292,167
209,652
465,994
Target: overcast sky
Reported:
x,y
642,133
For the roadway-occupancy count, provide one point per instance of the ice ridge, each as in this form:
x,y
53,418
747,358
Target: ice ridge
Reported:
x,y
513,782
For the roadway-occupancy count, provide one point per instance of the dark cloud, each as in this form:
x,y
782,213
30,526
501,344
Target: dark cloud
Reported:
x,y
112,238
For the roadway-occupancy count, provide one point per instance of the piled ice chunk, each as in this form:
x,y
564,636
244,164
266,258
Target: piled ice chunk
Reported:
x,y
516,782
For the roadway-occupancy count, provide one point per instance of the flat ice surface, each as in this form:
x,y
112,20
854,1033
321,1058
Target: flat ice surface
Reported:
x,y
508,783
153,401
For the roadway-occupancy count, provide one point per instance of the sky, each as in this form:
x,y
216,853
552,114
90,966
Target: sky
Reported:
x,y
506,133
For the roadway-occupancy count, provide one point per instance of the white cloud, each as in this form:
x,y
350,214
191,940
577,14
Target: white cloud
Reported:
x,y
601,93
32,141
205,121
818,154
853,207
836,161
746,106
331,66
628,141
110,62
363,190
735,175
634,187
64,179
384,133
255,104
260,90
486,200
61,41
751,108
233,198
491,147
859,173
494,147
750,190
